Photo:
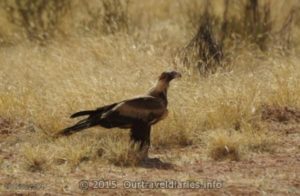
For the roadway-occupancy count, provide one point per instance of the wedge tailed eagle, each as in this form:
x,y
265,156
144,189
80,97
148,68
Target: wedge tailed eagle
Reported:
x,y
137,114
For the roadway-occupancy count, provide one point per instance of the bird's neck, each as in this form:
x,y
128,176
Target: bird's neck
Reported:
x,y
160,90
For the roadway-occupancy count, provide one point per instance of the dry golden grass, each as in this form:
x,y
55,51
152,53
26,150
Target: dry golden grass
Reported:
x,y
223,146
220,115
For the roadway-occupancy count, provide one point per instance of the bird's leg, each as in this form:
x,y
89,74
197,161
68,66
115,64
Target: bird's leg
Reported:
x,y
140,134
144,148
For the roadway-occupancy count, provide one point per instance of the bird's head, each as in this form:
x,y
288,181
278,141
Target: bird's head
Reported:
x,y
167,76
162,84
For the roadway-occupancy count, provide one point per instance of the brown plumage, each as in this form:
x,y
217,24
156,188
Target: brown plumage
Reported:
x,y
137,114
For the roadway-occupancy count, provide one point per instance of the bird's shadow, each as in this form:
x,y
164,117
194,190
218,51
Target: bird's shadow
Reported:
x,y
155,163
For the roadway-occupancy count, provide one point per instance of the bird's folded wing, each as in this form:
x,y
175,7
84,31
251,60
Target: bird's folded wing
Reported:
x,y
144,108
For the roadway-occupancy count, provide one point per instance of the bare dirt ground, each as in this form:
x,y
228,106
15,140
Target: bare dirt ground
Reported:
x,y
272,173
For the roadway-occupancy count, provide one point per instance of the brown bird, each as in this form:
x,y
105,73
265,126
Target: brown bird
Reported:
x,y
137,114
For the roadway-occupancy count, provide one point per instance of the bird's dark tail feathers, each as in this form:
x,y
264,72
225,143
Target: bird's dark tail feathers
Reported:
x,y
98,111
82,113
84,124
93,119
